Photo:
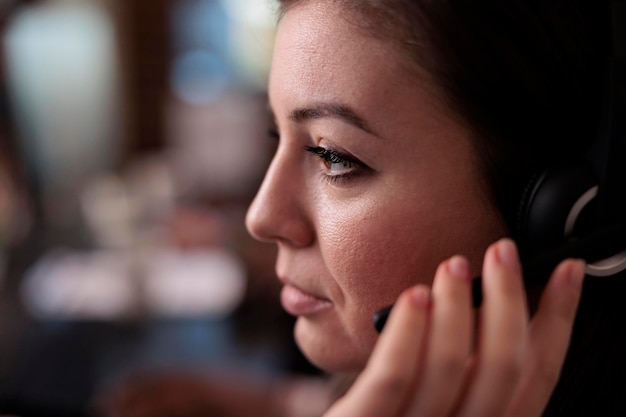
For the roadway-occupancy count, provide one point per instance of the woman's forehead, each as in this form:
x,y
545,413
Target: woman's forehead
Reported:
x,y
319,58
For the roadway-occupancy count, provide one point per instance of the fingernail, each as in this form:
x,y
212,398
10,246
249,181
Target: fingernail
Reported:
x,y
458,267
576,273
506,252
420,296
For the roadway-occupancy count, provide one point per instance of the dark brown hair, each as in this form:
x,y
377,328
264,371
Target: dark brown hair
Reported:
x,y
526,76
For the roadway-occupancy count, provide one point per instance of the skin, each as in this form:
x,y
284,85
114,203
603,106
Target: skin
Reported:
x,y
359,241
406,210
430,360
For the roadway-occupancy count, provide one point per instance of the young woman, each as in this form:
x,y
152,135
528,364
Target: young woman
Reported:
x,y
407,132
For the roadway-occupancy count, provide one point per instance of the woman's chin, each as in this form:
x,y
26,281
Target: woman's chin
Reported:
x,y
330,348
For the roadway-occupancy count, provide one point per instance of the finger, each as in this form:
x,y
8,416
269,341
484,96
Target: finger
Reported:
x,y
391,372
502,335
550,332
449,340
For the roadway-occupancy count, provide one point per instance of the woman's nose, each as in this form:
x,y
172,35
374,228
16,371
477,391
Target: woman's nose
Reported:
x,y
278,213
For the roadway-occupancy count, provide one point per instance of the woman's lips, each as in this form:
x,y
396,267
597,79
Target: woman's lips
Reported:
x,y
300,303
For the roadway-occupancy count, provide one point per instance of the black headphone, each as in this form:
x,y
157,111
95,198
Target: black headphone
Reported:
x,y
578,208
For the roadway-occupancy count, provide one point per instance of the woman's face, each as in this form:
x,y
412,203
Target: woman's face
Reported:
x,y
372,184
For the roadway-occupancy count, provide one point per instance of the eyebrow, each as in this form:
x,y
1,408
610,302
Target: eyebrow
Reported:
x,y
334,110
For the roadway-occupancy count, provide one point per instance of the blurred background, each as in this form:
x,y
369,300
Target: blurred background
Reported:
x,y
132,139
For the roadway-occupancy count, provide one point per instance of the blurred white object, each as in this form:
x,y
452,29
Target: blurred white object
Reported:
x,y
112,285
191,283
78,286
62,75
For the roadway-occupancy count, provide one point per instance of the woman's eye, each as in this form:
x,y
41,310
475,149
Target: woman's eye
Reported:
x,y
338,166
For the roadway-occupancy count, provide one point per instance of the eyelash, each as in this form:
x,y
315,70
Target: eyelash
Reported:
x,y
330,156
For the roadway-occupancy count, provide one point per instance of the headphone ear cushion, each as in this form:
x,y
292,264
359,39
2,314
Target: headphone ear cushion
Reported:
x,y
547,202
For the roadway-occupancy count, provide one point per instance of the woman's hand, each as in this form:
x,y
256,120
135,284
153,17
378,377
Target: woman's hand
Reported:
x,y
435,357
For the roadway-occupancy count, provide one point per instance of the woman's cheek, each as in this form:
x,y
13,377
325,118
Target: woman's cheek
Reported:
x,y
372,258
